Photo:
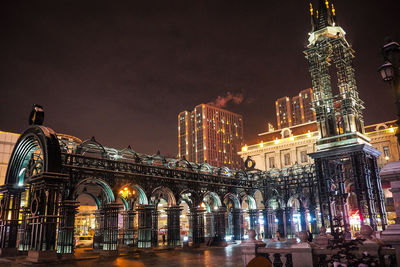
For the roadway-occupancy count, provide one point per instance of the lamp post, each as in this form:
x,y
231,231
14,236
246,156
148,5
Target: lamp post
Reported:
x,y
390,73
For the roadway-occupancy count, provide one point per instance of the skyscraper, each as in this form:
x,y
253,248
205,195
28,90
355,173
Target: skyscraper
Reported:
x,y
210,134
283,112
296,110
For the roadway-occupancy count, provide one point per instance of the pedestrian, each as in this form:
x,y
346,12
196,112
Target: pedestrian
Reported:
x,y
163,239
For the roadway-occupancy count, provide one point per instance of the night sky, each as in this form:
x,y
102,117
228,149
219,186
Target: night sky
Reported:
x,y
122,70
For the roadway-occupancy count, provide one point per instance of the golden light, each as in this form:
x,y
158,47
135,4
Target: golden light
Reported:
x,y
391,130
203,205
126,192
261,144
308,133
244,148
291,138
276,141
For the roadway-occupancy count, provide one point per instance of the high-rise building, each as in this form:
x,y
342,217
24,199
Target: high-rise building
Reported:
x,y
296,110
210,134
283,112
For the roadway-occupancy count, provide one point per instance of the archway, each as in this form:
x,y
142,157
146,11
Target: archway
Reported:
x,y
212,205
164,201
250,215
234,226
91,223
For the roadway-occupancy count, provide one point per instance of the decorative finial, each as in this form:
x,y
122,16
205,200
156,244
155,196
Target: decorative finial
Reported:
x,y
327,4
333,10
36,117
311,10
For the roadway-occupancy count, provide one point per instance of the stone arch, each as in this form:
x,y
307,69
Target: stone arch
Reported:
x,y
137,196
165,193
96,182
250,201
212,200
235,201
34,139
190,197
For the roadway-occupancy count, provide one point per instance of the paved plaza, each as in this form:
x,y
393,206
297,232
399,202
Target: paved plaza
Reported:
x,y
210,257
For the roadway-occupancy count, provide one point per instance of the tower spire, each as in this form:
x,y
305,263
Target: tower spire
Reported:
x,y
324,16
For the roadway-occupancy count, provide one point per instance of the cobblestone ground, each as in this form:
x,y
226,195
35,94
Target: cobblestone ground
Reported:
x,y
229,256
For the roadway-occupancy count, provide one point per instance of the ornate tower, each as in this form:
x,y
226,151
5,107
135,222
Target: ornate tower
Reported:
x,y
346,169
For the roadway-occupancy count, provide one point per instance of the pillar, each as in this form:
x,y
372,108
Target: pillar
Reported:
x,y
237,221
197,217
24,231
145,218
303,220
288,221
65,240
173,224
9,215
98,231
154,227
46,193
129,228
219,223
265,214
281,222
313,219
110,232
210,231
253,214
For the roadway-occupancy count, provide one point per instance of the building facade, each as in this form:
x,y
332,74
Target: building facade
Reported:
x,y
7,142
285,147
210,134
296,110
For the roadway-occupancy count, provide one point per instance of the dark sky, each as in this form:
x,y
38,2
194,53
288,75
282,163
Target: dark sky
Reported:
x,y
123,70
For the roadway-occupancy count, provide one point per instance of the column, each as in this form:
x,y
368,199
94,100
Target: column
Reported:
x,y
129,228
313,217
24,231
145,225
288,221
154,228
197,226
210,231
237,221
98,231
65,240
110,234
281,222
173,223
303,220
266,224
9,213
253,214
46,194
219,223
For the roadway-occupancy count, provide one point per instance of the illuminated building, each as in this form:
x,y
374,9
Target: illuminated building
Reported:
x,y
296,110
7,142
210,134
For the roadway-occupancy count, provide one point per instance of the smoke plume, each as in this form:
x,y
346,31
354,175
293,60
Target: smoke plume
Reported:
x,y
223,101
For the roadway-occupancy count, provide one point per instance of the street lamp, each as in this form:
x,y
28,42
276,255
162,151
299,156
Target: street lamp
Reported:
x,y
390,72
